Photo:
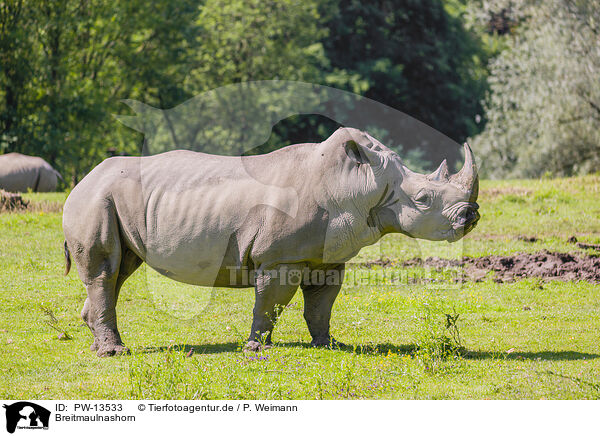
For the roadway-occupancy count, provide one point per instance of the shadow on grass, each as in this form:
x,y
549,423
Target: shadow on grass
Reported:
x,y
411,349
226,347
380,349
526,355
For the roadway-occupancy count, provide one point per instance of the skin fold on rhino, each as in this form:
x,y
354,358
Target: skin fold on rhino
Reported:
x,y
19,173
204,219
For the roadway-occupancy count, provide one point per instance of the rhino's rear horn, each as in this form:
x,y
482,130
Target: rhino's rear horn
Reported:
x,y
467,177
441,174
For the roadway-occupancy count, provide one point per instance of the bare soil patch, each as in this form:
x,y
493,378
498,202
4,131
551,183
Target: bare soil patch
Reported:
x,y
509,190
545,265
527,238
584,245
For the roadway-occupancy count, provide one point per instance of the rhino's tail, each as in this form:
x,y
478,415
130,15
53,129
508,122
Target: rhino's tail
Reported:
x,y
67,259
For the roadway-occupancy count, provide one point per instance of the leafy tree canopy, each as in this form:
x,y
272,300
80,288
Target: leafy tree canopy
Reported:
x,y
66,64
543,108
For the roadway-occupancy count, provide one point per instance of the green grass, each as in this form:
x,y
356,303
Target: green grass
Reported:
x,y
522,340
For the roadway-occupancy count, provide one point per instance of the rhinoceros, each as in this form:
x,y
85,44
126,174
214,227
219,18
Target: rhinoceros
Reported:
x,y
205,219
19,173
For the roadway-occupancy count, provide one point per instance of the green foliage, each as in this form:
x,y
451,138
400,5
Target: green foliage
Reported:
x,y
544,106
411,55
417,57
66,64
257,40
71,79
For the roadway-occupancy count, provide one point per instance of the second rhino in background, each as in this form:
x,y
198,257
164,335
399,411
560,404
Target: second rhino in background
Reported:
x,y
21,173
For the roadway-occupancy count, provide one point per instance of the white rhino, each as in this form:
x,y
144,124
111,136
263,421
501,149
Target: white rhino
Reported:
x,y
19,173
212,220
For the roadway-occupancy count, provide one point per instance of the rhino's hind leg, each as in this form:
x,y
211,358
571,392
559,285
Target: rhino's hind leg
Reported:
x,y
99,313
318,302
272,295
129,263
103,264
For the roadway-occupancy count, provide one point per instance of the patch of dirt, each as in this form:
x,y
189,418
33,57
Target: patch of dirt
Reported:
x,y
509,190
585,246
588,246
527,238
545,265
10,202
384,263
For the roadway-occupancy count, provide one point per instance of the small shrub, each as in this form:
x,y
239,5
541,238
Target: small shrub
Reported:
x,y
438,338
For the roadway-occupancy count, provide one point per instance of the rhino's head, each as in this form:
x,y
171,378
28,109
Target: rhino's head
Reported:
x,y
437,206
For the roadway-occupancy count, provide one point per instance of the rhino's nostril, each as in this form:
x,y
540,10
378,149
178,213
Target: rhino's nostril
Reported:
x,y
467,215
472,216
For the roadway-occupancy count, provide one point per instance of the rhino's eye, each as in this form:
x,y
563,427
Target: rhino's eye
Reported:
x,y
423,199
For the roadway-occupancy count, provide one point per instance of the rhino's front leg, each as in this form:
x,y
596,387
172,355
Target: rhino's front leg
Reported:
x,y
319,297
273,292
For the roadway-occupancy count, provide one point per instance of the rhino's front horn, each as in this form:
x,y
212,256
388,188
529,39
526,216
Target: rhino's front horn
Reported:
x,y
442,173
467,177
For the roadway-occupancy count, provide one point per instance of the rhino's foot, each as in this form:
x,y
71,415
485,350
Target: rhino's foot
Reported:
x,y
94,346
256,346
108,350
327,342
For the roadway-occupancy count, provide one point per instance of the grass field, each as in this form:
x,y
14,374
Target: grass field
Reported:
x,y
523,340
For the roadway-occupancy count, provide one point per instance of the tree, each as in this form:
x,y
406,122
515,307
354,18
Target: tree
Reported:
x,y
544,106
247,40
66,64
412,55
16,47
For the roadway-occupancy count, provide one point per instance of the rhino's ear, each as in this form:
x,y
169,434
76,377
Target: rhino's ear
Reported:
x,y
362,153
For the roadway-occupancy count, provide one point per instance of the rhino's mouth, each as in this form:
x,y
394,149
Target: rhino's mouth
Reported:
x,y
458,232
465,219
469,227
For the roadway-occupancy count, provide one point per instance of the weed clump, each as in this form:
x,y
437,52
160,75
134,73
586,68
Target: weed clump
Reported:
x,y
438,337
53,322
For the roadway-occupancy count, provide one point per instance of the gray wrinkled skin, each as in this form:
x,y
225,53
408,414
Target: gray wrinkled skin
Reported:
x,y
19,173
194,217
